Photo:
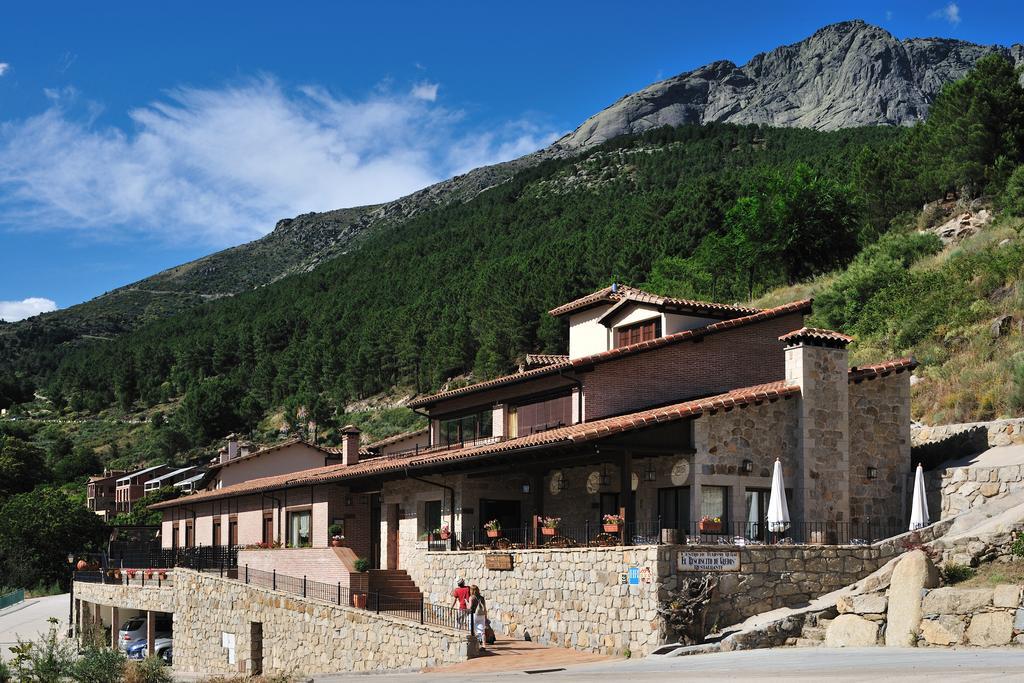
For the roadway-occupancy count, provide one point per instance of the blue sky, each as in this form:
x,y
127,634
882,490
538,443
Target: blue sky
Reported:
x,y
136,136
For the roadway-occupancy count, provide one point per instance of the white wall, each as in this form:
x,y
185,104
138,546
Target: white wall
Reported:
x,y
586,335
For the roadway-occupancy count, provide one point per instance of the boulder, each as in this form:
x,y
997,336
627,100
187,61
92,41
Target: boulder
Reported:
x,y
953,600
944,630
868,603
913,573
850,630
990,628
1006,595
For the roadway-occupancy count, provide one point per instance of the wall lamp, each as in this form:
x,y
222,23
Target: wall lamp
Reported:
x,y
872,473
747,466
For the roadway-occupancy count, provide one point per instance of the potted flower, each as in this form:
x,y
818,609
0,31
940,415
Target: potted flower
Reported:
x,y
162,574
493,528
337,537
131,574
444,532
148,574
549,525
612,523
117,574
710,525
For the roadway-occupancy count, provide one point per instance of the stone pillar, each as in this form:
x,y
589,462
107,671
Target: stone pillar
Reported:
x,y
114,626
816,361
150,634
498,419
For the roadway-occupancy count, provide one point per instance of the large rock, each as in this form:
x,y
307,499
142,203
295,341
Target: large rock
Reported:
x,y
990,628
1006,595
944,630
952,600
868,603
913,573
850,630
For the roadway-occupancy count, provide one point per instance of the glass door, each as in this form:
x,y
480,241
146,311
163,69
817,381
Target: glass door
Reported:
x,y
757,513
300,529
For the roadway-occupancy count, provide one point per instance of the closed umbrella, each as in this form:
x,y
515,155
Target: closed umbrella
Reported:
x,y
778,510
919,504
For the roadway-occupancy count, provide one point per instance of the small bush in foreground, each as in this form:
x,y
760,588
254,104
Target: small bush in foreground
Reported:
x,y
955,573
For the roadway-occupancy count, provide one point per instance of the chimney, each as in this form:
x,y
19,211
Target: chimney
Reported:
x,y
232,449
350,438
222,454
816,361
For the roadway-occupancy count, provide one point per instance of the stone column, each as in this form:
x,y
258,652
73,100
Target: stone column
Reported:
x,y
816,361
150,634
114,626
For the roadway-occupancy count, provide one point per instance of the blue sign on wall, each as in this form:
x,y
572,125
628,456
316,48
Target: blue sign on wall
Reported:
x,y
634,576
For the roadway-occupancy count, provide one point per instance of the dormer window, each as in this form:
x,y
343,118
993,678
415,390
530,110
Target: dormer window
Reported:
x,y
648,330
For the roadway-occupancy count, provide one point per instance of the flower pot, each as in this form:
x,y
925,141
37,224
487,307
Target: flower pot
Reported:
x,y
548,530
493,533
337,544
359,600
445,535
711,527
611,528
82,565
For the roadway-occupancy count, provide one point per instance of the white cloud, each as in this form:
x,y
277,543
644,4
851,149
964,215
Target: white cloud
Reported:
x,y
220,166
4,66
425,91
26,308
950,13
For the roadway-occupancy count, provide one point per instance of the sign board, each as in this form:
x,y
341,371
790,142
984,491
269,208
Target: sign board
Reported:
x,y
646,575
634,576
498,562
623,578
708,561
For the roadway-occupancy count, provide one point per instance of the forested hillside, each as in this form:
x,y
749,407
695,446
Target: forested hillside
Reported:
x,y
719,211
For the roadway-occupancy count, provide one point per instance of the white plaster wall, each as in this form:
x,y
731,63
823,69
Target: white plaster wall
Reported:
x,y
586,335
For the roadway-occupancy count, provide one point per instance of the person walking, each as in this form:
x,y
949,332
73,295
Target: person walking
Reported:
x,y
478,615
460,599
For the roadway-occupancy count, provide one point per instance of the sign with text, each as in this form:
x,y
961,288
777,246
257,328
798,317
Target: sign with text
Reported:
x,y
634,576
498,562
708,561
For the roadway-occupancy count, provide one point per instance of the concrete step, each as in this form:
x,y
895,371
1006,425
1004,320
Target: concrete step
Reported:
x,y
813,633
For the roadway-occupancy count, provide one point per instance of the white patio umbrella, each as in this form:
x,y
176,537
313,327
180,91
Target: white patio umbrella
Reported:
x,y
919,504
778,510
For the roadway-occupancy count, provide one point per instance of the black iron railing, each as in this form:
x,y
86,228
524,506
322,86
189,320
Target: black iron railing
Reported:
x,y
198,557
411,608
655,532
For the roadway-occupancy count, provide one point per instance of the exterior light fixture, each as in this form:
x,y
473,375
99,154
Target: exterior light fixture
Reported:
x,y
563,482
526,487
747,466
650,474
872,473
71,558
606,478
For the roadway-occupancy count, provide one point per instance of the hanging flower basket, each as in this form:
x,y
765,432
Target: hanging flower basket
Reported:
x,y
493,528
710,525
494,533
611,528
548,530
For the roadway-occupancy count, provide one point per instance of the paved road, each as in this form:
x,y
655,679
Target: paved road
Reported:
x,y
28,620
787,664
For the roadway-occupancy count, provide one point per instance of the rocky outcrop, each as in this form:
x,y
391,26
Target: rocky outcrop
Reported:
x,y
847,74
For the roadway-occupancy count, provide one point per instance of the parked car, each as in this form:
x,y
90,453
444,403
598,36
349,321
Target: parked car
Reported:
x,y
162,649
134,630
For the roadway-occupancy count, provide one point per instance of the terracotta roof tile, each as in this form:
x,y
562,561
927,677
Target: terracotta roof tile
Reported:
x,y
863,372
569,435
621,292
540,359
815,334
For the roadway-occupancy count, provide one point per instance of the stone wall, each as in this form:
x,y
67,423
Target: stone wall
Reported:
x,y
996,433
574,597
963,488
299,636
880,438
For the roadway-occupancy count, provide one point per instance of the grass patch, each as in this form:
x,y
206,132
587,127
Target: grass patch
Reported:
x,y
992,574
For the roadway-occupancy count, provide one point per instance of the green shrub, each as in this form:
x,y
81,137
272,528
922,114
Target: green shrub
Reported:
x,y
149,670
47,660
362,564
1012,200
956,573
1017,547
5,673
99,665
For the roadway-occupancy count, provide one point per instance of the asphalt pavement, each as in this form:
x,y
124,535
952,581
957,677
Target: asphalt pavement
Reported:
x,y
28,620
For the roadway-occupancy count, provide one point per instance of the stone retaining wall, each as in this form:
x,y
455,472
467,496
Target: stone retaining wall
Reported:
x,y
574,597
962,488
996,432
300,636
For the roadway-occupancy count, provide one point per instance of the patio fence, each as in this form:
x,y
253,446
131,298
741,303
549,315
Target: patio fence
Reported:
x,y
590,535
12,598
199,558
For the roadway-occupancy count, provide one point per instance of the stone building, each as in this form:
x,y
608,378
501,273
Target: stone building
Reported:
x,y
667,413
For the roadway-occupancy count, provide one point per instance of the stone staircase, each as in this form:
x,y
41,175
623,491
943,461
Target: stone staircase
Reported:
x,y
813,632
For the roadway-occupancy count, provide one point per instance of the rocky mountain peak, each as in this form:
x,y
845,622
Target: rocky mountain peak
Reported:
x,y
847,74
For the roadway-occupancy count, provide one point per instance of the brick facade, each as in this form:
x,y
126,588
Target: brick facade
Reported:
x,y
745,356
